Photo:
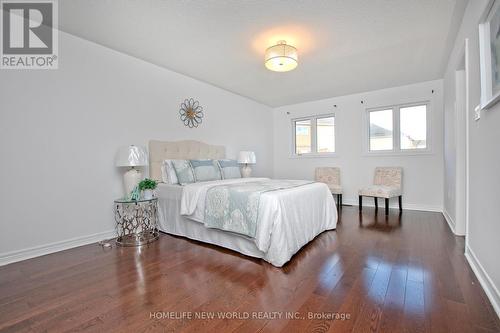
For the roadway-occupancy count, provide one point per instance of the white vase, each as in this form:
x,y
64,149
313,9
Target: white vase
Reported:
x,y
147,194
246,171
131,179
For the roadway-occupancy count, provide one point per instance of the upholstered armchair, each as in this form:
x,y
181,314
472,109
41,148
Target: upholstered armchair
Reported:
x,y
386,184
331,177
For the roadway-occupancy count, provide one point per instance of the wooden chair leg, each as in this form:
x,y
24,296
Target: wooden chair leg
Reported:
x,y
376,202
400,199
386,206
360,203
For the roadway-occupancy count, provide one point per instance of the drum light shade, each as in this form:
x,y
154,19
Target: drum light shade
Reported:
x,y
281,57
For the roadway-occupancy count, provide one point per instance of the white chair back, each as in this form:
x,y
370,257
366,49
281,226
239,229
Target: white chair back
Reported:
x,y
388,176
327,175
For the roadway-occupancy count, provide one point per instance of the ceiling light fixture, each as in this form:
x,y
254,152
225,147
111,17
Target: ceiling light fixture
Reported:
x,y
281,57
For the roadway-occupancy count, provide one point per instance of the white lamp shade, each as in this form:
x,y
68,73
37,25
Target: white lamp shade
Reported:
x,y
131,156
247,157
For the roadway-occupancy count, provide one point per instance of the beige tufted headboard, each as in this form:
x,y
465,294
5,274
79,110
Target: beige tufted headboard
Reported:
x,y
180,150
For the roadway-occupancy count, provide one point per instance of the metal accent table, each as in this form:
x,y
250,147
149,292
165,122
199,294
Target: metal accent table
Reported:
x,y
136,221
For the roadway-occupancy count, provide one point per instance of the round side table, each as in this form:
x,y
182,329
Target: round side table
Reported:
x,y
136,221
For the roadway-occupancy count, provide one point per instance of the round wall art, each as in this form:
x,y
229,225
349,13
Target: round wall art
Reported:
x,y
191,113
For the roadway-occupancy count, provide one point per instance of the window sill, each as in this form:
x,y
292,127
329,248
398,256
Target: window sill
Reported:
x,y
397,153
314,155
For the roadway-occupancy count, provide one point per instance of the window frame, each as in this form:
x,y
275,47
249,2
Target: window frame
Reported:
x,y
314,139
396,131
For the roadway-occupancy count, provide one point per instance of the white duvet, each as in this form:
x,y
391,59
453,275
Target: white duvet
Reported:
x,y
288,219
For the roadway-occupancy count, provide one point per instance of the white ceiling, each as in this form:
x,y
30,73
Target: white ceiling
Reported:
x,y
345,46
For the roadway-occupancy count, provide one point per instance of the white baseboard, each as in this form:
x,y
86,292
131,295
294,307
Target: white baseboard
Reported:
x,y
15,256
449,220
484,279
368,202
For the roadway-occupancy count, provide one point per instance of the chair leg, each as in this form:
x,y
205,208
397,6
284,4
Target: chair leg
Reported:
x,y
340,200
360,203
376,203
400,199
386,206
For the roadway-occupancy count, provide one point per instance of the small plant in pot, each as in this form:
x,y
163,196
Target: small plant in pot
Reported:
x,y
146,186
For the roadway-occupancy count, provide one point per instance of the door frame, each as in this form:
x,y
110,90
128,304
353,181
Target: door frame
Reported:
x,y
462,121
467,145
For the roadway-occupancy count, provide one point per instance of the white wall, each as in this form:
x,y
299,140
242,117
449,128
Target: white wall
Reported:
x,y
483,240
423,174
60,129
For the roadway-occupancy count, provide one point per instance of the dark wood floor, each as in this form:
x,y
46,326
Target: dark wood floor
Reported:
x,y
402,274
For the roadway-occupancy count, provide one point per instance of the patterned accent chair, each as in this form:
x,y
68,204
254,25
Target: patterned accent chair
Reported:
x,y
386,184
331,177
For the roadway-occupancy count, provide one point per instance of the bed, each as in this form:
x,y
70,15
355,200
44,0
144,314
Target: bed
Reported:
x,y
286,222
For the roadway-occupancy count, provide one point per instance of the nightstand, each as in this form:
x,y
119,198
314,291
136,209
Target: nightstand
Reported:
x,y
136,221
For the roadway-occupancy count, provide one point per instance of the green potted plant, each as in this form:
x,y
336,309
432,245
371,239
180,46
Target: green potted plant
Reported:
x,y
146,186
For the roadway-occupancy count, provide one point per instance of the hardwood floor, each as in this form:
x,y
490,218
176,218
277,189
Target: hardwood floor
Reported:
x,y
403,274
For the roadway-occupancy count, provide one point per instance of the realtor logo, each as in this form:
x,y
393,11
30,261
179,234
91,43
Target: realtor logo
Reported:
x,y
29,34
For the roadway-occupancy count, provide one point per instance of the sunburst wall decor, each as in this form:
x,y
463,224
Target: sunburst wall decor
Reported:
x,y
191,113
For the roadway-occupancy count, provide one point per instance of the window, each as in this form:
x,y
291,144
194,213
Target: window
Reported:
x,y
314,135
325,128
381,124
303,137
399,128
413,127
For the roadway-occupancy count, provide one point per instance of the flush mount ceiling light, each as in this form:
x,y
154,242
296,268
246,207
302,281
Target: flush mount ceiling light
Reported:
x,y
281,57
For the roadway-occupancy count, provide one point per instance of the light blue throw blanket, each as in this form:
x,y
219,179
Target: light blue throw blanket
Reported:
x,y
235,207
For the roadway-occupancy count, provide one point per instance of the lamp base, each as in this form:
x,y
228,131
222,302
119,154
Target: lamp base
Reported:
x,y
131,179
246,171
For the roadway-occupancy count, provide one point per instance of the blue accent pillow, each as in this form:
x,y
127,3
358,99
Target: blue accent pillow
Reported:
x,y
205,170
184,171
230,169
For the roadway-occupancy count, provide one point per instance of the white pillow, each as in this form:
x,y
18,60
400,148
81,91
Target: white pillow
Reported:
x,y
168,174
164,174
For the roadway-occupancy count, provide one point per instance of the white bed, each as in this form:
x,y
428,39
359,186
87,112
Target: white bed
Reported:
x,y
288,219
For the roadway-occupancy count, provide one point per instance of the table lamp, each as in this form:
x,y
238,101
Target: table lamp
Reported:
x,y
246,157
131,156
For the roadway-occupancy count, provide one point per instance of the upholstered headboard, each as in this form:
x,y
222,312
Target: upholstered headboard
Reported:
x,y
180,150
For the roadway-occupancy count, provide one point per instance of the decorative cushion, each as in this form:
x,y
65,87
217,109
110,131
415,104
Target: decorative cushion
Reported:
x,y
380,191
184,171
176,150
205,170
229,169
168,174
